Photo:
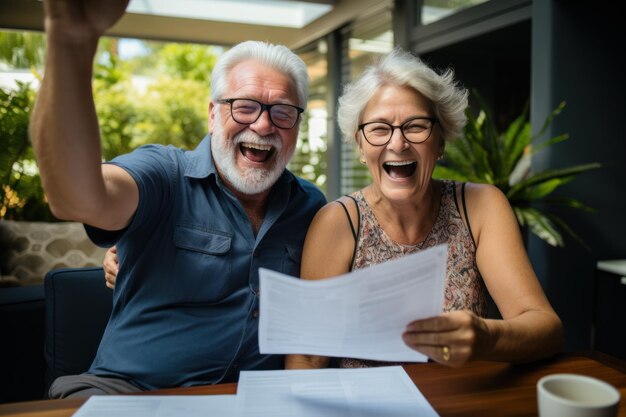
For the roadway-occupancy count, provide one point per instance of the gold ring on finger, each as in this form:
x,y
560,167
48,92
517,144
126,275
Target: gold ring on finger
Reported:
x,y
446,353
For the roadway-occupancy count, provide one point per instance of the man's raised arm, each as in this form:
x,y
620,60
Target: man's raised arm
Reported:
x,y
64,127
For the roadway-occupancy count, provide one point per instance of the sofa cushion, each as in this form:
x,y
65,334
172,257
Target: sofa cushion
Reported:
x,y
78,306
22,365
28,250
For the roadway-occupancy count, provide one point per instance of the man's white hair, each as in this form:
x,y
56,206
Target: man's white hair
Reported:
x,y
278,57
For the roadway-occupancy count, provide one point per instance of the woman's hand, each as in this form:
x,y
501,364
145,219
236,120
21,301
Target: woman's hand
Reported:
x,y
451,338
110,263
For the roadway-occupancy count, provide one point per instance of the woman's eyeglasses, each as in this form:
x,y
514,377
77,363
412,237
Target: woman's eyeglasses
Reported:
x,y
415,130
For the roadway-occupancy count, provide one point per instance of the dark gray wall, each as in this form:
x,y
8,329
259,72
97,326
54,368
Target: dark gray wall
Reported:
x,y
564,52
499,71
575,54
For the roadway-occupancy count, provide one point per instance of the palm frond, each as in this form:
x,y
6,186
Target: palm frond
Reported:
x,y
442,171
549,119
516,139
541,146
484,155
549,174
541,189
568,202
539,224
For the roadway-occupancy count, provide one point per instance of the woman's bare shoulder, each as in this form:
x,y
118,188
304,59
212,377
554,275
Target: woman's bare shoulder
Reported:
x,y
484,196
333,214
330,238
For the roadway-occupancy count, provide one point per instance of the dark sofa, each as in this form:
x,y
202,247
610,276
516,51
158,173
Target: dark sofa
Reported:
x,y
50,330
22,323
28,251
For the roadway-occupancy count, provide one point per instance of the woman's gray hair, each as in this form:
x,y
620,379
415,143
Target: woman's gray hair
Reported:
x,y
278,57
400,68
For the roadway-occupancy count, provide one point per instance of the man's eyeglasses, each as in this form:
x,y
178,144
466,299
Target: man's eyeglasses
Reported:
x,y
247,111
415,130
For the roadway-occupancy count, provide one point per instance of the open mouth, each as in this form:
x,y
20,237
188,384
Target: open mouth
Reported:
x,y
400,169
256,152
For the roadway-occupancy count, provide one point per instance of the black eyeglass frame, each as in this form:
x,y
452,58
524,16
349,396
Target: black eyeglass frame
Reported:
x,y
433,120
264,107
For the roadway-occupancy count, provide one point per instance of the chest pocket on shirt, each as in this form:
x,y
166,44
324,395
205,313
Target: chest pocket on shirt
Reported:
x,y
203,265
291,260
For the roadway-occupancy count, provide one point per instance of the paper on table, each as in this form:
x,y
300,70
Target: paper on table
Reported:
x,y
357,315
365,392
158,406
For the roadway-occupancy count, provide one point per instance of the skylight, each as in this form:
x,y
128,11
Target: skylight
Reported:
x,y
291,14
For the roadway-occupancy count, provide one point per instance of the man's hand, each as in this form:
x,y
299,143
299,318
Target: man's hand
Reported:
x,y
81,20
111,267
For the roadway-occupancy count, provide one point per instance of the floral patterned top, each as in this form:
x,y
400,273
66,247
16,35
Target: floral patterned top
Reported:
x,y
464,287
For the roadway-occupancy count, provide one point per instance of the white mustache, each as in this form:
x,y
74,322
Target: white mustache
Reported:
x,y
251,137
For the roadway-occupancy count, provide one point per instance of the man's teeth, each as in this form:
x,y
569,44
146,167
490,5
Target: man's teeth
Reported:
x,y
399,163
256,146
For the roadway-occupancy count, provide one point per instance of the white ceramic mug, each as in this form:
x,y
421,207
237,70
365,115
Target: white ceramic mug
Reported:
x,y
571,395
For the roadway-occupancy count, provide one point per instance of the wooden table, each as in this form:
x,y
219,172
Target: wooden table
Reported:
x,y
479,389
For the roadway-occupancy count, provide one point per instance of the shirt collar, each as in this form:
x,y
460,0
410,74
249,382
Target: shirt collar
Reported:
x,y
201,163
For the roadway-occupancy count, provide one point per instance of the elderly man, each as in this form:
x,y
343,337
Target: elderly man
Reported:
x,y
191,227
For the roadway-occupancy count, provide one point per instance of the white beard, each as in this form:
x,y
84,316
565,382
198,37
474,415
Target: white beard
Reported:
x,y
252,180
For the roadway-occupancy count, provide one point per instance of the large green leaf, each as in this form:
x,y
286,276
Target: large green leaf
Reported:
x,y
458,156
516,147
504,159
540,225
541,189
549,119
568,202
516,139
541,146
451,174
551,174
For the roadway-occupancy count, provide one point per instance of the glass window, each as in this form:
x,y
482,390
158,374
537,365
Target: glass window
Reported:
x,y
366,41
433,10
309,160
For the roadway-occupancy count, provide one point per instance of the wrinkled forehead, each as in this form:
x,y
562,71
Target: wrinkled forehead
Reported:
x,y
251,79
390,98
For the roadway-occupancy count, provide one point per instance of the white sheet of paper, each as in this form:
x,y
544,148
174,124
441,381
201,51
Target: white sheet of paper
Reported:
x,y
357,315
364,392
158,406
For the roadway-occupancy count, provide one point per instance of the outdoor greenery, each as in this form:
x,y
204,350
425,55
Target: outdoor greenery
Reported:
x,y
309,162
159,96
22,49
169,107
484,155
21,193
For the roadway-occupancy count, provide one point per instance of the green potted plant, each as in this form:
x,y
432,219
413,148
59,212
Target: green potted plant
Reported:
x,y
484,155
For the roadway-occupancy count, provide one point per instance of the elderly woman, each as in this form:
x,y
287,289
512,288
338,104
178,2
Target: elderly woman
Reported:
x,y
399,114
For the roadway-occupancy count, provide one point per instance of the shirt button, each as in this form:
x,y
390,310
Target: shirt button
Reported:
x,y
255,314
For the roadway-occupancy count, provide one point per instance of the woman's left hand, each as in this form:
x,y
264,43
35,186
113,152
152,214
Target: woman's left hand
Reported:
x,y
451,338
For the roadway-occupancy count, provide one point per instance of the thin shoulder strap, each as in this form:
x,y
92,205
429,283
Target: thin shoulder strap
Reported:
x,y
349,219
358,220
469,227
355,233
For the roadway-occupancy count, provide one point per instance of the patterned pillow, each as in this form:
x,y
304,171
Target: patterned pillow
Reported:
x,y
28,250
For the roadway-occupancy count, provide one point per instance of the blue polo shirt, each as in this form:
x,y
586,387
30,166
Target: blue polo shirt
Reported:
x,y
185,305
